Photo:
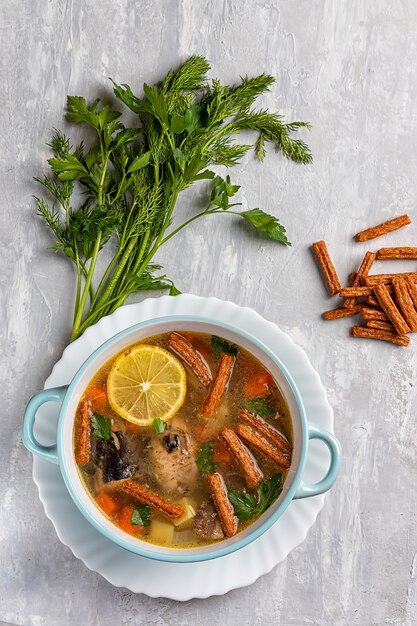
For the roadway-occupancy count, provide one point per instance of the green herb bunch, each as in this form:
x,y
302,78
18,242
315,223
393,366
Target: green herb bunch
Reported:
x,y
130,178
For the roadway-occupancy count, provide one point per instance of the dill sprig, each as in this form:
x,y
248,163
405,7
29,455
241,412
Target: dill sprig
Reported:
x,y
130,178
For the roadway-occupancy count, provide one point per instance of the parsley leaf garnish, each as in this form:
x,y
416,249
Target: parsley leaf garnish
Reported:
x,y
248,505
205,461
260,407
101,426
159,425
219,345
266,224
141,516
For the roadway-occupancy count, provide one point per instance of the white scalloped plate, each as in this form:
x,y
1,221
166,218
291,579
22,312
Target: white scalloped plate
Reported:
x,y
183,581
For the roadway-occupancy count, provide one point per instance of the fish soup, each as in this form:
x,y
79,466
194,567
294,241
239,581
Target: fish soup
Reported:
x,y
183,439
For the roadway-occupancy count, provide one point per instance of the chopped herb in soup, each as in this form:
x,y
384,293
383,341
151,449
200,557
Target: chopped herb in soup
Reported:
x,y
183,439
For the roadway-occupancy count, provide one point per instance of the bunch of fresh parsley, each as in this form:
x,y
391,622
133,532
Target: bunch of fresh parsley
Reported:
x,y
130,178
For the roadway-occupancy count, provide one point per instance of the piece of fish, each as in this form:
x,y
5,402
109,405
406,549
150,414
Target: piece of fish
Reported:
x,y
172,457
207,523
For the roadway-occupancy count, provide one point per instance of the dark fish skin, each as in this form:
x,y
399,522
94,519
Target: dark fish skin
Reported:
x,y
114,468
111,460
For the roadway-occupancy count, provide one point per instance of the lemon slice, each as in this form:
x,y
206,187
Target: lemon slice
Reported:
x,y
146,383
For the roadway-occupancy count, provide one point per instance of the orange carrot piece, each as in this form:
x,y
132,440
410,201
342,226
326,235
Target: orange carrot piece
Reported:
x,y
258,387
221,453
106,503
98,397
124,521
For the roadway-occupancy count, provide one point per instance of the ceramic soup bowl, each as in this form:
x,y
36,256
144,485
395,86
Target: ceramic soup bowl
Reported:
x,y
62,453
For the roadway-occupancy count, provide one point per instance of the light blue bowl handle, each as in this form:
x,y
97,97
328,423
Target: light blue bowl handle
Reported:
x,y
55,394
305,490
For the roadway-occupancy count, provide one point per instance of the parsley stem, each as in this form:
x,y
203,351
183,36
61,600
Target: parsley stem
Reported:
x,y
119,190
184,224
195,217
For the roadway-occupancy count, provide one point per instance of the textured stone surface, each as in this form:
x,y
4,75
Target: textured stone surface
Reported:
x,y
350,69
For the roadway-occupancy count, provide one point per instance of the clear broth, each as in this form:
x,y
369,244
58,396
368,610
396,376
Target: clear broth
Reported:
x,y
140,443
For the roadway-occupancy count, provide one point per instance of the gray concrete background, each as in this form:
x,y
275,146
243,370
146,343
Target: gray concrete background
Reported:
x,y
349,67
